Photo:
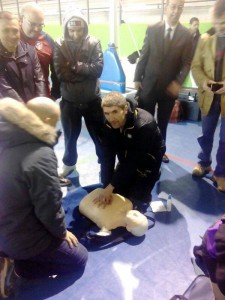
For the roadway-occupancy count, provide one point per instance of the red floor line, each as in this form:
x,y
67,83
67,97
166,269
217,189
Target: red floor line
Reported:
x,y
187,162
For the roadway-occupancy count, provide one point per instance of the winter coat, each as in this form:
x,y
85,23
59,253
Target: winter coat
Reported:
x,y
78,67
203,68
21,78
31,215
139,148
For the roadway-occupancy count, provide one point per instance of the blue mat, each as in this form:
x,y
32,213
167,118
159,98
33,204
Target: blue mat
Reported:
x,y
85,230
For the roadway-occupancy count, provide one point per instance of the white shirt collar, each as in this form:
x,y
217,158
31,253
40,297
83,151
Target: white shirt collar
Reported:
x,y
172,27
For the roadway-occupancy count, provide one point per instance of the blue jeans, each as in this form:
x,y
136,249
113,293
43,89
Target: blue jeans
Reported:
x,y
209,124
53,261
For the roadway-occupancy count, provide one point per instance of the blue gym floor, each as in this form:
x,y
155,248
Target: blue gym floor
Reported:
x,y
158,265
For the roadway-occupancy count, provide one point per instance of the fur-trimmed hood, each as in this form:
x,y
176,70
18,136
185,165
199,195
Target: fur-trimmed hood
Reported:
x,y
19,125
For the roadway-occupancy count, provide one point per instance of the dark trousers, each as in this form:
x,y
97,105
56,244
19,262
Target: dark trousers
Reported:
x,y
140,187
165,106
59,261
71,117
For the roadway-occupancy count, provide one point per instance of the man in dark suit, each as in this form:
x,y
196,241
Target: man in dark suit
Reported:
x,y
163,65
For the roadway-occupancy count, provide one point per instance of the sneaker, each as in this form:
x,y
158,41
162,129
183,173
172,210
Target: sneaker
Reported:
x,y
6,277
200,171
64,182
67,170
165,159
220,184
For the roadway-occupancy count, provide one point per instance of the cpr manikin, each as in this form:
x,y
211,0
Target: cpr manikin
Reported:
x,y
119,213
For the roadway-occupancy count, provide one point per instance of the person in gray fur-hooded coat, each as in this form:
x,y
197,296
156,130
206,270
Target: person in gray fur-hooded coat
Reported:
x,y
32,225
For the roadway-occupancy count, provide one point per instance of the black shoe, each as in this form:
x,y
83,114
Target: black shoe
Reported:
x,y
165,159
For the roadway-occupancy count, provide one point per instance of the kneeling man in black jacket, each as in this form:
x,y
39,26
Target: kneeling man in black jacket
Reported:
x,y
132,136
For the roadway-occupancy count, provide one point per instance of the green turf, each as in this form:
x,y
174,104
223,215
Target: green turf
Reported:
x,y
126,44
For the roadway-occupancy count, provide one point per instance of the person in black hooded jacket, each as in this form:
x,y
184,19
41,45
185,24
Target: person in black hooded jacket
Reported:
x,y
133,137
32,226
78,62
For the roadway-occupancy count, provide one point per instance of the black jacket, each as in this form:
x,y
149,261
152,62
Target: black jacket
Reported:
x,y
21,77
31,216
139,148
78,67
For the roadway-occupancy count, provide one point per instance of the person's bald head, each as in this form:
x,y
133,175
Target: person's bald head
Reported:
x,y
32,20
46,109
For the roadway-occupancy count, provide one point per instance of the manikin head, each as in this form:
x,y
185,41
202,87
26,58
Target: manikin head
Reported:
x,y
9,31
32,20
46,109
218,17
194,25
115,109
174,9
136,222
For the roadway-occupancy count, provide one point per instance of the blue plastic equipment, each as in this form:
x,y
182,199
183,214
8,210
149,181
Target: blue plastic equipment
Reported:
x,y
113,77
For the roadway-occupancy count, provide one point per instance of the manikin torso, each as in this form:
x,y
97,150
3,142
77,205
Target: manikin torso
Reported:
x,y
109,217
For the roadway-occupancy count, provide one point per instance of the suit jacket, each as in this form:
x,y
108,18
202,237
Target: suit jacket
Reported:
x,y
156,69
203,68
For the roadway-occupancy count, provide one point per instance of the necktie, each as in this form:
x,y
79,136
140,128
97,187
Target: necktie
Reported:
x,y
167,40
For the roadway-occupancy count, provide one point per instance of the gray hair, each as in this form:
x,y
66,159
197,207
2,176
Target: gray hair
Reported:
x,y
114,99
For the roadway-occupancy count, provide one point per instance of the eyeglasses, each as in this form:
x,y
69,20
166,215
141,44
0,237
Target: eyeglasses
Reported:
x,y
33,25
